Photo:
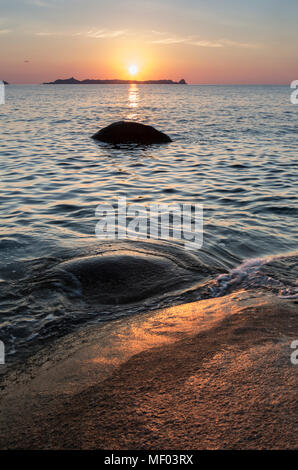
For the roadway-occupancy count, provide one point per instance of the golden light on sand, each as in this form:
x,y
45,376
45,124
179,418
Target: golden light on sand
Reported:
x,y
133,69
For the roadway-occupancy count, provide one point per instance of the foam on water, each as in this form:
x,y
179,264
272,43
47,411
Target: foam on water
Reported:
x,y
278,274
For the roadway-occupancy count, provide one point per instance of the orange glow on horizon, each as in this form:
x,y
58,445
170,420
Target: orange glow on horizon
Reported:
x,y
130,59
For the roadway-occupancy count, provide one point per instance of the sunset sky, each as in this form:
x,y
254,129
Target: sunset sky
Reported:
x,y
203,41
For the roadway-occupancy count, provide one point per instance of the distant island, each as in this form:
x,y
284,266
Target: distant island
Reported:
x,y
5,83
74,81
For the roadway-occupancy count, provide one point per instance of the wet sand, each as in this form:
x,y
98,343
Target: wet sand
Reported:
x,y
214,374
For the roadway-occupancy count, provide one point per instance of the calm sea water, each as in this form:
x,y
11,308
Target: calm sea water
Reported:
x,y
234,151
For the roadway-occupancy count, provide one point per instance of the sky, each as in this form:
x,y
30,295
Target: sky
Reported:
x,y
202,41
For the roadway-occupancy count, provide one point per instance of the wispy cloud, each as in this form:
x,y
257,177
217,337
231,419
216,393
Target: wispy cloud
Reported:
x,y
44,33
160,37
42,3
92,33
187,40
164,38
204,43
168,40
152,37
102,33
5,31
228,42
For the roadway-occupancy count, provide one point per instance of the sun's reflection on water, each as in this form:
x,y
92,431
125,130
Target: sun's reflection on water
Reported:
x,y
133,100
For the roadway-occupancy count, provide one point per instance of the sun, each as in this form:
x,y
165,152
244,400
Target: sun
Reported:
x,y
133,69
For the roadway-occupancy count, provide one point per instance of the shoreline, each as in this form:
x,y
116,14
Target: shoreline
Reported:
x,y
276,274
145,382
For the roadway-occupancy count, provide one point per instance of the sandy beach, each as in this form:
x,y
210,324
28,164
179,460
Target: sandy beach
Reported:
x,y
214,374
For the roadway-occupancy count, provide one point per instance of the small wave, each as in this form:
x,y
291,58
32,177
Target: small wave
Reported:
x,y
277,274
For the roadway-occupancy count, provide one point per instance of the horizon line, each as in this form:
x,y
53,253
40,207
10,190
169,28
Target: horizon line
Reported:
x,y
188,84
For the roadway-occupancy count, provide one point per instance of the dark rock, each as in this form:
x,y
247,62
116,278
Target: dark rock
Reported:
x,y
131,132
120,279
182,82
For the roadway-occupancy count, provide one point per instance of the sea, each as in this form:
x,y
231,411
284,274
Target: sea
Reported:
x,y
233,154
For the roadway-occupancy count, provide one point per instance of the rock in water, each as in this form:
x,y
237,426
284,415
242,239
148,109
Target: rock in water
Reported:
x,y
124,132
119,279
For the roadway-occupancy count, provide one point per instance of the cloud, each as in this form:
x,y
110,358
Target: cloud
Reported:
x,y
93,33
102,33
204,43
165,38
5,31
42,3
151,37
169,40
228,42
44,33
187,40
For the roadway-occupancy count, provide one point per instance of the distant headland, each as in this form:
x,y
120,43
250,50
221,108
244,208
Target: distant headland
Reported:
x,y
73,81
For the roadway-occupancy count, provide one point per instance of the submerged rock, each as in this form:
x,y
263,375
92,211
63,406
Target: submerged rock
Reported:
x,y
123,132
123,278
